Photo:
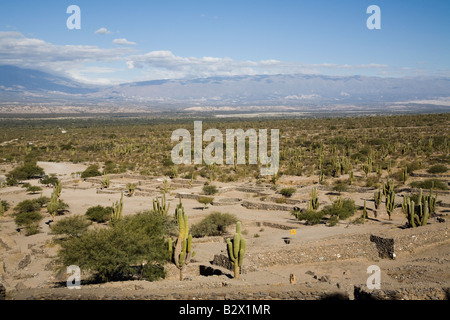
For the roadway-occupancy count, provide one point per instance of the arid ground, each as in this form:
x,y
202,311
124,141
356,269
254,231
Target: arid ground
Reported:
x,y
325,261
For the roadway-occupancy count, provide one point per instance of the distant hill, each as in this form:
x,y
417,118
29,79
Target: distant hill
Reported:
x,y
27,85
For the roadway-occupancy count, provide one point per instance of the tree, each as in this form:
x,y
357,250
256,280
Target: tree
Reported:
x,y
133,247
205,201
34,189
91,171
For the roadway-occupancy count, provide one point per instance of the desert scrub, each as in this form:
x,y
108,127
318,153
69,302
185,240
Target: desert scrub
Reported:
x,y
134,247
437,168
429,184
310,217
70,226
99,214
205,201
210,189
343,209
91,171
287,192
214,224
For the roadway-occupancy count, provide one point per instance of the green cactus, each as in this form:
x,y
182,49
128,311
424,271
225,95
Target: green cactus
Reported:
x,y
377,198
364,214
105,182
131,187
181,251
117,210
405,175
417,214
236,250
390,203
314,201
161,208
57,189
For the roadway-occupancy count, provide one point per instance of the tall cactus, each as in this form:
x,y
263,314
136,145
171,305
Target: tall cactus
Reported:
x,y
181,251
390,203
57,189
377,198
236,250
53,205
161,208
117,209
314,201
417,215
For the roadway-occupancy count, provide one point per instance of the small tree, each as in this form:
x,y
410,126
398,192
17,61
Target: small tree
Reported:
x,y
34,189
210,189
205,201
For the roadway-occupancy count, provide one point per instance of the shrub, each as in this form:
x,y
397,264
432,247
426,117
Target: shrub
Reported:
x,y
214,224
34,189
340,208
91,171
26,171
99,214
287,192
438,168
429,183
5,205
52,179
71,226
27,206
118,252
209,189
27,218
309,216
205,201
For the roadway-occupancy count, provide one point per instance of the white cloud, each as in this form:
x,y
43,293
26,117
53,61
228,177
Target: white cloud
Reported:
x,y
103,30
18,50
124,41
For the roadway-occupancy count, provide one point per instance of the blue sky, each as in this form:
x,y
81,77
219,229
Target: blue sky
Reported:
x,y
146,40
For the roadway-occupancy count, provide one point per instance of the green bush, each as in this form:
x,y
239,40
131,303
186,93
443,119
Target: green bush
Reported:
x,y
27,206
99,214
429,183
287,192
52,179
119,251
205,201
34,189
91,171
214,224
70,226
209,189
26,171
27,218
340,208
438,168
310,217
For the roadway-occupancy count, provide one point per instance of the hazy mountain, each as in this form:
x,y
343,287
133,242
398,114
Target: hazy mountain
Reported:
x,y
19,85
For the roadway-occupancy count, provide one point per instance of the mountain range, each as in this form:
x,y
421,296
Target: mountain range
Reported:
x,y
28,86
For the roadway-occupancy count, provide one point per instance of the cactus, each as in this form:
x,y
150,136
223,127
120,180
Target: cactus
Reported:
x,y
53,205
388,187
57,189
181,251
117,209
236,250
417,215
377,198
105,182
161,208
390,203
364,214
405,175
314,201
131,188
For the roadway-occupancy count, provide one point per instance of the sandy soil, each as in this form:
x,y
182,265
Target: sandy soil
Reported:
x,y
322,259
